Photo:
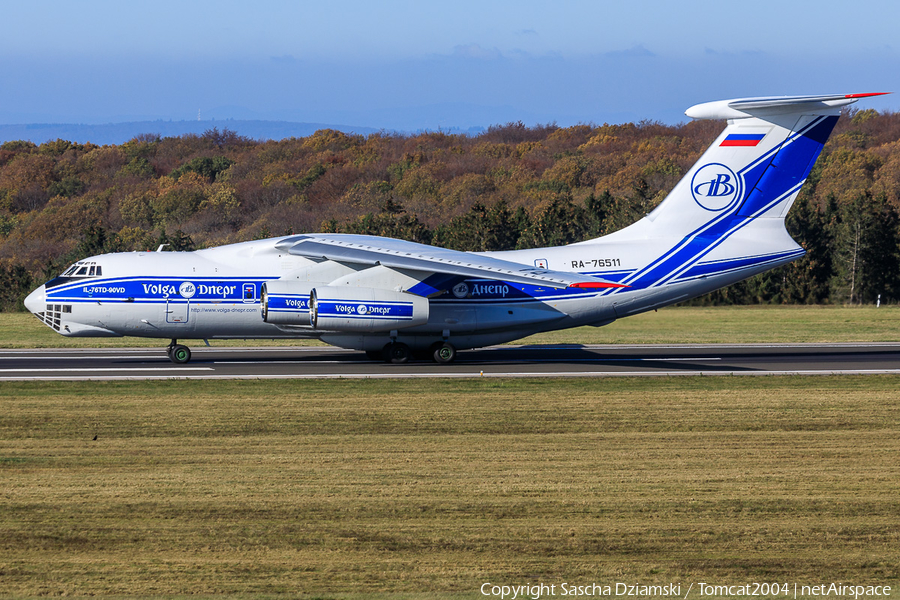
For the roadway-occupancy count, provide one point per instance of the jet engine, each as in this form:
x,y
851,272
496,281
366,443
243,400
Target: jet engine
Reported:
x,y
345,308
285,302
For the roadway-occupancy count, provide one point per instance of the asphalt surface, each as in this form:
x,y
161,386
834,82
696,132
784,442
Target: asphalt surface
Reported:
x,y
498,361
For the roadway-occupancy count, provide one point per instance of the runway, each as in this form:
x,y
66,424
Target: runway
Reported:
x,y
497,361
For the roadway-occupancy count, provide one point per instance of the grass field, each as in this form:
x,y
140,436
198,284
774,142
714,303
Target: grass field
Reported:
x,y
428,489
746,324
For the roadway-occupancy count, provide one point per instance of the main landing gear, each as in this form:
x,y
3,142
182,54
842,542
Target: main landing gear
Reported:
x,y
178,353
443,352
399,353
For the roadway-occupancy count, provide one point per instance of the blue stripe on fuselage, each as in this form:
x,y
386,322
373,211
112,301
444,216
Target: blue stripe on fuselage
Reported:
x,y
144,289
723,266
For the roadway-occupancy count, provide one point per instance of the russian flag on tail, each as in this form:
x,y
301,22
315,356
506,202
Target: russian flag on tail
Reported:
x,y
743,139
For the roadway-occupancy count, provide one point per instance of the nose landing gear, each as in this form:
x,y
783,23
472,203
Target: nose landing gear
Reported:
x,y
178,353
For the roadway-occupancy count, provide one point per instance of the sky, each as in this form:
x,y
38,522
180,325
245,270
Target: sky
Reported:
x,y
412,65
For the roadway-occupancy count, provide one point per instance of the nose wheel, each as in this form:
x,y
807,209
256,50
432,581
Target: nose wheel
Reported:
x,y
178,353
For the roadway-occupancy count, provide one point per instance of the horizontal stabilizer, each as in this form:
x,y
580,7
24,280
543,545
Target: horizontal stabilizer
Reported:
x,y
747,107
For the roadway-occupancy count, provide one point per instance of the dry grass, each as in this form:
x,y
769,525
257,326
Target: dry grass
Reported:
x,y
424,489
741,324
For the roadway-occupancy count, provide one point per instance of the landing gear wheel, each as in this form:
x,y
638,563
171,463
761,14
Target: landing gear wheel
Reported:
x,y
179,354
443,353
397,353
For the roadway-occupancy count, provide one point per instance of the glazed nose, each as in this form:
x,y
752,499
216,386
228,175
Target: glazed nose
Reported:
x,y
36,301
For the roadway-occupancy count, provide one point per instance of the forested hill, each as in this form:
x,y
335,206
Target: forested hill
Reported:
x,y
115,133
509,187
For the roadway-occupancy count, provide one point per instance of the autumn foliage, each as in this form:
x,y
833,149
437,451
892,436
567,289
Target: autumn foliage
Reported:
x,y
510,187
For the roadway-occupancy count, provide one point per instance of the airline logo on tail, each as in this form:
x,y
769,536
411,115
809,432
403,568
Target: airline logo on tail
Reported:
x,y
715,187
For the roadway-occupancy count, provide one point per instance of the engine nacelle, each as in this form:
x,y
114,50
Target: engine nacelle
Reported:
x,y
346,308
285,302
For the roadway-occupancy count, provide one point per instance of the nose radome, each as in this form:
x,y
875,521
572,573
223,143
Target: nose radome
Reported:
x,y
36,301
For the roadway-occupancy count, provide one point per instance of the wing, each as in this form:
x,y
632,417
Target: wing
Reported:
x,y
400,254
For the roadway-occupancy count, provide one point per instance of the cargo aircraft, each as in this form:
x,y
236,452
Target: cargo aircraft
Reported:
x,y
723,222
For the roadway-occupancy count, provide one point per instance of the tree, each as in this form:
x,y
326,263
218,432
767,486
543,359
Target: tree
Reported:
x,y
560,222
806,280
205,166
596,214
401,226
15,283
225,138
481,229
867,250
879,254
177,242
95,240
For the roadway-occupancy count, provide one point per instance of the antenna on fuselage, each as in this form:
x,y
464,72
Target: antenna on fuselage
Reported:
x,y
161,246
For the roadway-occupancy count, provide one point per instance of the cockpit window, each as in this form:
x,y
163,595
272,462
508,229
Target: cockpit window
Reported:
x,y
83,269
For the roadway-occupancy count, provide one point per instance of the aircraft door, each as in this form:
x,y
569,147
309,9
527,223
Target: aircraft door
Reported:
x,y
177,310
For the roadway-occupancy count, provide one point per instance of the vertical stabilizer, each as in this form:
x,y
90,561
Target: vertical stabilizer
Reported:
x,y
758,164
727,213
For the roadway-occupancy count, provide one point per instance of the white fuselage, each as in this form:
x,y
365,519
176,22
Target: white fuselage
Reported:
x,y
215,294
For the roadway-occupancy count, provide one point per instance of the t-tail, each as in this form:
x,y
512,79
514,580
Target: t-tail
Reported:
x,y
724,221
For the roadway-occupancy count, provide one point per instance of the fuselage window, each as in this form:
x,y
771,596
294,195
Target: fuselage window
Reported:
x,y
81,271
99,272
91,272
